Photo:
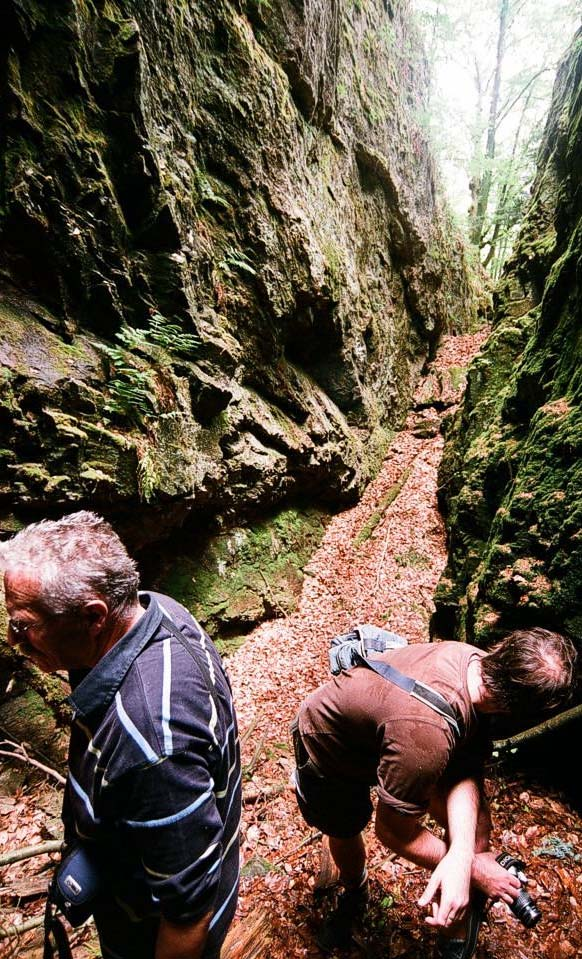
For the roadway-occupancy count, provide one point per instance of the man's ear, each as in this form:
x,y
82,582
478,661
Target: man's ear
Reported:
x,y
96,612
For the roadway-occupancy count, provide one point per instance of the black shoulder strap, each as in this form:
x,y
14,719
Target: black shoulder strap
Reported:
x,y
56,940
195,653
425,694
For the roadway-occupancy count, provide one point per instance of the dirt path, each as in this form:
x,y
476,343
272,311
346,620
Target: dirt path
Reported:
x,y
379,562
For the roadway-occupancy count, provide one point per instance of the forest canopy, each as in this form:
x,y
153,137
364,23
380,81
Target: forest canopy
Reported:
x,y
493,64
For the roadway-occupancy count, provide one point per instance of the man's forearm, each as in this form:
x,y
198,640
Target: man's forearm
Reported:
x,y
412,841
463,801
182,940
417,844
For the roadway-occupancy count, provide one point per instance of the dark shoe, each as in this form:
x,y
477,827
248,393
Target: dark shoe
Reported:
x,y
464,948
450,948
337,930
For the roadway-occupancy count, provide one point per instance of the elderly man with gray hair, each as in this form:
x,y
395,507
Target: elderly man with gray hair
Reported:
x,y
153,790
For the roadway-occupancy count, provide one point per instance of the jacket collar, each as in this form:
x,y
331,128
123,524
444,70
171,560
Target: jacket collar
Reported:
x,y
96,690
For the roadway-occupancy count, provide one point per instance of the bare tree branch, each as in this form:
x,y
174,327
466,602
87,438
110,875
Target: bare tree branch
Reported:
x,y
507,108
555,722
28,852
19,752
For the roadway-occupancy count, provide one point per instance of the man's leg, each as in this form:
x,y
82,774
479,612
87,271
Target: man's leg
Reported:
x,y
122,938
349,856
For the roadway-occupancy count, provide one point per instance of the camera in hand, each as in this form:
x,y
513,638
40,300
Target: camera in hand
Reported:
x,y
523,907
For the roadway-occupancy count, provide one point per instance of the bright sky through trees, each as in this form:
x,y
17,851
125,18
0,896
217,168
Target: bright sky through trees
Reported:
x,y
493,64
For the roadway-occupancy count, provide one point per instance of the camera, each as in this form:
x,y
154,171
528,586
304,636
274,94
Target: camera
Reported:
x,y
523,907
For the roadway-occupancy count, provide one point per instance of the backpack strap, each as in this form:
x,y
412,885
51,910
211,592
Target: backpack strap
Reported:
x,y
425,694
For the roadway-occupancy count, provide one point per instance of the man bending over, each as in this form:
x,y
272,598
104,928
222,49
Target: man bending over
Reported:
x,y
360,730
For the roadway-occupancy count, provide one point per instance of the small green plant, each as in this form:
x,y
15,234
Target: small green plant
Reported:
x,y
207,193
146,476
131,391
387,35
236,259
257,866
412,558
161,332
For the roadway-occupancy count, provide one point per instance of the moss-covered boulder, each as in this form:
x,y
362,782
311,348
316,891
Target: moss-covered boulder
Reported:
x,y
223,258
511,476
234,579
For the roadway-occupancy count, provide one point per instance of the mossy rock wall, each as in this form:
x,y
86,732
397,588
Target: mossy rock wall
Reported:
x,y
511,476
254,175
239,577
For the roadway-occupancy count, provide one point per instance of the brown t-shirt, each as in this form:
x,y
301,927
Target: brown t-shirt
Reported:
x,y
361,727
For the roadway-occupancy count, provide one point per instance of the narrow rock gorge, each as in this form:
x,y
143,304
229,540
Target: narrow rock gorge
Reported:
x,y
511,476
224,261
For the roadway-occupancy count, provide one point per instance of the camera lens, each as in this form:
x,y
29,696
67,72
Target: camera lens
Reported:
x,y
525,909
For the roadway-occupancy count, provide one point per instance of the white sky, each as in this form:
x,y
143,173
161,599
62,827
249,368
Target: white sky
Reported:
x,y
540,34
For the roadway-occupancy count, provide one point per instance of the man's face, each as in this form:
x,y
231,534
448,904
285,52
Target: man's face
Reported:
x,y
51,641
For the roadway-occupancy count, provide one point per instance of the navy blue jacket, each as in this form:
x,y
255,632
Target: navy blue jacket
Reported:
x,y
154,773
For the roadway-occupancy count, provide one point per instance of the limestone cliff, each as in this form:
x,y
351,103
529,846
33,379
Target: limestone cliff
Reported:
x,y
223,260
512,472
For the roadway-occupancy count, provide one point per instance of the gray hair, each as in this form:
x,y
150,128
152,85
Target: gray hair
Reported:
x,y
74,559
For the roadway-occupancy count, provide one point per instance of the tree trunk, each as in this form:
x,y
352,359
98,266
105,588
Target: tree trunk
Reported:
x,y
484,185
501,217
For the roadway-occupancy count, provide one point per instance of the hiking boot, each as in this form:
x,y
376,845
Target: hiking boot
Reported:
x,y
450,948
337,930
463,948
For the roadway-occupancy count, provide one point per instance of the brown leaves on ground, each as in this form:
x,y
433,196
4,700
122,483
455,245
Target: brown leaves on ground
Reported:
x,y
379,562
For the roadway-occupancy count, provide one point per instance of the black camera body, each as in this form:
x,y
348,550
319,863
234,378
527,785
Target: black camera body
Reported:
x,y
523,907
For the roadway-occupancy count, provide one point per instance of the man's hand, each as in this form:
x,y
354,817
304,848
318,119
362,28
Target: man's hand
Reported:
x,y
493,879
448,889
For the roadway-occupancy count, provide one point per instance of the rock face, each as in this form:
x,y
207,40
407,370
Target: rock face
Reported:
x,y
223,263
512,472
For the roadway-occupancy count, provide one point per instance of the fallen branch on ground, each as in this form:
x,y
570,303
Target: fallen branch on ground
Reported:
x,y
249,769
275,602
248,732
27,852
19,752
304,842
250,937
252,794
16,929
384,504
26,888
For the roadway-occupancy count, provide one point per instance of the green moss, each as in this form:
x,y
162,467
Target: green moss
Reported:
x,y
246,574
413,559
386,501
377,448
457,376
